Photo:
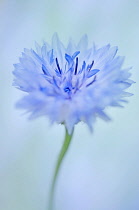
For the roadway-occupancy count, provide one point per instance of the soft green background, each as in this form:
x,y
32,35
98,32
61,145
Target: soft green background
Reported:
x,y
101,170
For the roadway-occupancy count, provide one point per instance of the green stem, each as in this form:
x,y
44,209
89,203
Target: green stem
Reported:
x,y
58,165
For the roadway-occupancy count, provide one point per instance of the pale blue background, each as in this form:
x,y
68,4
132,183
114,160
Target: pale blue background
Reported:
x,y
101,170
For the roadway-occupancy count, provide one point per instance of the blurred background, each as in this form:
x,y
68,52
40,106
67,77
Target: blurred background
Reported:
x,y
101,170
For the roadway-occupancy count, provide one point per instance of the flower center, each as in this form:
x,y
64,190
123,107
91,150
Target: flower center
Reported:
x,y
68,81
67,89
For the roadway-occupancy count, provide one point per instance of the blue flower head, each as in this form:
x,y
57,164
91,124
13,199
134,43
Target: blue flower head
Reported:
x,y
71,84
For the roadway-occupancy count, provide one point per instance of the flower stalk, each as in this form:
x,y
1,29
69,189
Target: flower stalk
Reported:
x,y
58,166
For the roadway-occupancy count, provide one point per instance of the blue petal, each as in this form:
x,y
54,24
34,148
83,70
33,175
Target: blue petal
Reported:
x,y
37,56
103,115
75,54
127,94
55,82
92,72
124,85
45,71
44,51
51,56
58,47
83,67
83,43
68,58
58,73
